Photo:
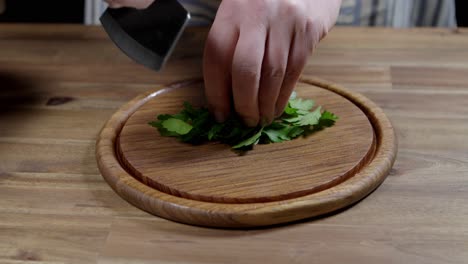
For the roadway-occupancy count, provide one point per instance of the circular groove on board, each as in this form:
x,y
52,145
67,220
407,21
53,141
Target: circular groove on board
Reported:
x,y
215,214
273,172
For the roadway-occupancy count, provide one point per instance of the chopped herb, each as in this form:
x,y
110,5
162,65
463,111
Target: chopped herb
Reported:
x,y
196,126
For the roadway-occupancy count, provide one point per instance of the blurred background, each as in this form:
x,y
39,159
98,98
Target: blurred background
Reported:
x,y
388,13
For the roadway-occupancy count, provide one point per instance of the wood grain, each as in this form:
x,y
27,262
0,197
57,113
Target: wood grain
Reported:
x,y
56,208
183,183
274,172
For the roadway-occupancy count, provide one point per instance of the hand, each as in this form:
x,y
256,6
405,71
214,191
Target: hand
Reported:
x,y
140,4
256,51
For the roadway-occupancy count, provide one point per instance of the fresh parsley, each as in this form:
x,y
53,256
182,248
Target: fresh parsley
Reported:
x,y
197,126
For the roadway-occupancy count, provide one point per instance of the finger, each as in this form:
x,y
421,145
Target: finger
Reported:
x,y
113,4
297,59
139,4
273,70
246,69
217,62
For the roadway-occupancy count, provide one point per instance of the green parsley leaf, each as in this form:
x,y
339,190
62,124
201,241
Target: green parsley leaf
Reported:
x,y
295,132
311,118
300,104
277,136
176,126
214,131
197,125
289,110
328,116
253,140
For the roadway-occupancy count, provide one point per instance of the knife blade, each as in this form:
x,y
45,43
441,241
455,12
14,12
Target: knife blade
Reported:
x,y
148,36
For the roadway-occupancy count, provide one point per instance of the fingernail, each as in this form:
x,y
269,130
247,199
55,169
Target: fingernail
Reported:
x,y
278,112
264,121
250,122
220,116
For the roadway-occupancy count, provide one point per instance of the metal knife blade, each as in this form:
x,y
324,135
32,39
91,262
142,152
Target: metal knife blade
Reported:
x,y
148,36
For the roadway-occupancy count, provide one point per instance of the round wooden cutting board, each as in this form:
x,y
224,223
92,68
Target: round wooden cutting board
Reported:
x,y
211,185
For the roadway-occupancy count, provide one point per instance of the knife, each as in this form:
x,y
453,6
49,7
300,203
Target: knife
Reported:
x,y
148,36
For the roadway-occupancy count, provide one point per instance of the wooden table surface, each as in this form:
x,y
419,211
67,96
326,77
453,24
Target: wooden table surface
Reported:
x,y
59,84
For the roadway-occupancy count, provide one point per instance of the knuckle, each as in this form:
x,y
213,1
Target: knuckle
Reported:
x,y
292,7
247,70
310,24
274,72
113,4
260,6
293,73
315,28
